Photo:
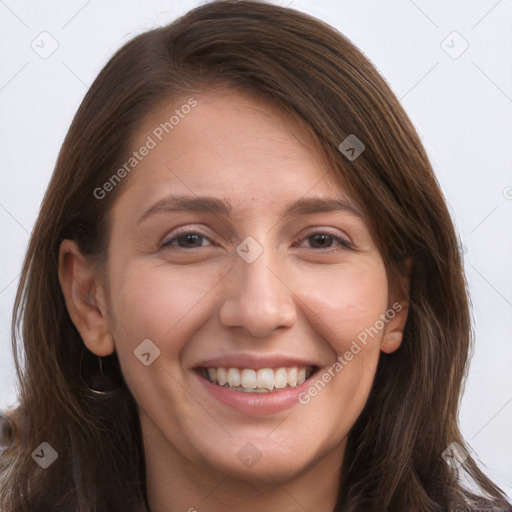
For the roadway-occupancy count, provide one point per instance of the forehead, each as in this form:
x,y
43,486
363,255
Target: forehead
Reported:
x,y
230,143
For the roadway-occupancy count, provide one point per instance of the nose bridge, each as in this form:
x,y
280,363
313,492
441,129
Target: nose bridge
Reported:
x,y
257,297
258,281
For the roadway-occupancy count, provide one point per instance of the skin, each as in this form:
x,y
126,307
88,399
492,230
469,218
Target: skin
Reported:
x,y
298,297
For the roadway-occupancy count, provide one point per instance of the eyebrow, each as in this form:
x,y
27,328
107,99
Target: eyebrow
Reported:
x,y
222,207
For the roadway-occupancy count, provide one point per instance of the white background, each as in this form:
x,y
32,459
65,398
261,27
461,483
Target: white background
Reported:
x,y
462,108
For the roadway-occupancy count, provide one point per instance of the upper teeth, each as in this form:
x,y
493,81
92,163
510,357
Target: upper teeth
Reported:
x,y
257,381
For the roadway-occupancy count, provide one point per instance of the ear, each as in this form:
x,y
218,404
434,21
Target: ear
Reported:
x,y
85,299
398,310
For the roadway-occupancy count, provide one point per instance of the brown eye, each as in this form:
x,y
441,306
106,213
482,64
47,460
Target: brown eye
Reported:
x,y
189,240
321,240
325,240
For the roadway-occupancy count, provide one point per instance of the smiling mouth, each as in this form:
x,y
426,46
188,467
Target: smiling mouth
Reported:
x,y
262,380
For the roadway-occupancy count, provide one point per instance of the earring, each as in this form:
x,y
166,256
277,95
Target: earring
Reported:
x,y
101,384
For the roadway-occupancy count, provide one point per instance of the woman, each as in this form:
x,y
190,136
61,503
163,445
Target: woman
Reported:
x,y
243,290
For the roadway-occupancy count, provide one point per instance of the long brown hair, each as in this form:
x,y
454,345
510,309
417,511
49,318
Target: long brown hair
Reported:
x,y
393,460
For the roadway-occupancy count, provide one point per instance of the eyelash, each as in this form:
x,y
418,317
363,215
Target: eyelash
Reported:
x,y
341,241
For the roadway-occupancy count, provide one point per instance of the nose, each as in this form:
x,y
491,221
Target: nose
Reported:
x,y
257,298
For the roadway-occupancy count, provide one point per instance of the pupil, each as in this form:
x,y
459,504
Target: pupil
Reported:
x,y
190,239
324,238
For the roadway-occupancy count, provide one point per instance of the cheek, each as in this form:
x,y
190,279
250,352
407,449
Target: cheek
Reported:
x,y
345,308
157,302
346,304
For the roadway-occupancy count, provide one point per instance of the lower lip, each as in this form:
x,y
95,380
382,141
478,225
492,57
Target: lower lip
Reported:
x,y
255,403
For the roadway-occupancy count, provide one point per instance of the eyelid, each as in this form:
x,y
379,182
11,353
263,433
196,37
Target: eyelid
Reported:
x,y
344,241
185,230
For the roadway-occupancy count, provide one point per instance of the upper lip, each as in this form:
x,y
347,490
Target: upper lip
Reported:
x,y
255,361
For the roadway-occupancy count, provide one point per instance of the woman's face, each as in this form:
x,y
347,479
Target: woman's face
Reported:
x,y
234,256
